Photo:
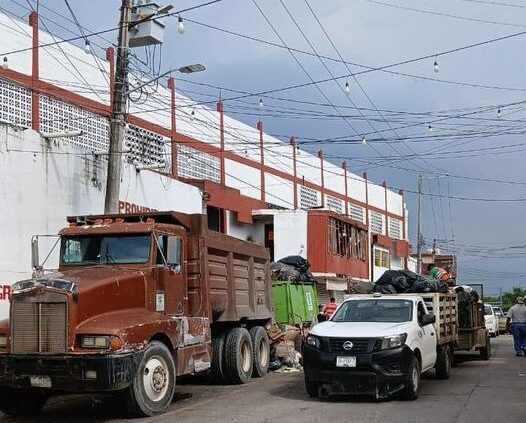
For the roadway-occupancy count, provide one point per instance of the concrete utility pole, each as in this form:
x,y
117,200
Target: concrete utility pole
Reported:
x,y
117,123
419,227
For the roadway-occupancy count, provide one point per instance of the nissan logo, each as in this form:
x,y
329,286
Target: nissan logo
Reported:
x,y
347,345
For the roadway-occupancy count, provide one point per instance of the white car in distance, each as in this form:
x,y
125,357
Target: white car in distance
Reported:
x,y
491,320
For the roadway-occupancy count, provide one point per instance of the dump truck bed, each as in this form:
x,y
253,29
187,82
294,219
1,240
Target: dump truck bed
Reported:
x,y
228,279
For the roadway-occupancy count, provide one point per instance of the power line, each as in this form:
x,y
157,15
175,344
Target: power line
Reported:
x,y
448,15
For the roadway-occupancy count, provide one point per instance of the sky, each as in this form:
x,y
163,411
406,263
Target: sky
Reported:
x,y
443,125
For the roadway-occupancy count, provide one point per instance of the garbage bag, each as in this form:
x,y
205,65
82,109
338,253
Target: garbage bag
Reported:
x,y
385,289
275,364
284,272
298,262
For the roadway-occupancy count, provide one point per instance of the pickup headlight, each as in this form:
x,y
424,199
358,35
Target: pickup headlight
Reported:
x,y
391,341
313,341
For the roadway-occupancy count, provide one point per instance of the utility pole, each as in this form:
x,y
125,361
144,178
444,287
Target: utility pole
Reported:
x,y
419,227
117,122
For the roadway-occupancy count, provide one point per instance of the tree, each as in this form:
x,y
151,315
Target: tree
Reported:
x,y
508,298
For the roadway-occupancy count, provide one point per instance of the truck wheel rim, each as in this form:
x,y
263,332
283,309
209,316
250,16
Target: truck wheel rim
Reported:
x,y
263,353
246,357
156,378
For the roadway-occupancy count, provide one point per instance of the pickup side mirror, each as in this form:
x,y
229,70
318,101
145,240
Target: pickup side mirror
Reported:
x,y
173,256
428,319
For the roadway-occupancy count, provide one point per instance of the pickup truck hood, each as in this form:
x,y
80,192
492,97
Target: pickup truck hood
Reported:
x,y
359,329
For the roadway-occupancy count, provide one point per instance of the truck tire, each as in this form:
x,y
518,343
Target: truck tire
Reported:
x,y
218,356
153,386
238,356
443,363
485,351
412,384
260,351
312,388
14,402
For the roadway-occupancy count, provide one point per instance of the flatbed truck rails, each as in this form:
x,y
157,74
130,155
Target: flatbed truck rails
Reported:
x,y
137,301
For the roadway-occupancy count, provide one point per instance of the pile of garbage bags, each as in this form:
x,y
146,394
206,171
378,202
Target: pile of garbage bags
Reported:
x,y
292,268
468,313
405,281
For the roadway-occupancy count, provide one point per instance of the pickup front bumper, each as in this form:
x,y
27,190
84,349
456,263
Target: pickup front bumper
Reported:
x,y
69,373
379,374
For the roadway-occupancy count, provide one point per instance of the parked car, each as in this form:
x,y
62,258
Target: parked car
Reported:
x,y
491,320
501,317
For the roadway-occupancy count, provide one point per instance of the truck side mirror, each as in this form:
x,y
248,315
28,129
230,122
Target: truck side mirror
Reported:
x,y
35,260
173,256
428,319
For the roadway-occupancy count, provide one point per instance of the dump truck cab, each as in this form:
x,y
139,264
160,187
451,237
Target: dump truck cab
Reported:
x,y
113,317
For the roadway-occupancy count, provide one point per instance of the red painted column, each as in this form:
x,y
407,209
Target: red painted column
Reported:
x,y
295,180
173,145
110,57
320,155
384,184
344,167
35,97
262,160
369,248
220,109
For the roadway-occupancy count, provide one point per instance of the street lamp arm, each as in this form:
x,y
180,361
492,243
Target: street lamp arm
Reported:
x,y
184,69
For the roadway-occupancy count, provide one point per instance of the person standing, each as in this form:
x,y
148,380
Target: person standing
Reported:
x,y
516,321
320,317
330,307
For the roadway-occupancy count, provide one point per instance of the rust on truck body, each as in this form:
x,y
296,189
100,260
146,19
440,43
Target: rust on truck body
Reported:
x,y
222,281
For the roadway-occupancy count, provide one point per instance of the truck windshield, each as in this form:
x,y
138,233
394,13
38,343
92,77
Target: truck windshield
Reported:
x,y
105,249
371,310
488,310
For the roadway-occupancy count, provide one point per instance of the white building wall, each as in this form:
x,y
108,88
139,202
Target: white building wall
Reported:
x,y
290,233
41,183
376,196
244,178
279,191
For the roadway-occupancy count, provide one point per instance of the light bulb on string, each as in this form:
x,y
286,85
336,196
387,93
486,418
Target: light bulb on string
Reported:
x,y
435,66
5,64
430,128
260,104
498,112
87,47
364,140
347,88
192,115
180,25
298,151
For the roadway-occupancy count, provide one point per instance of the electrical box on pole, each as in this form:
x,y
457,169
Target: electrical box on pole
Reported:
x,y
147,29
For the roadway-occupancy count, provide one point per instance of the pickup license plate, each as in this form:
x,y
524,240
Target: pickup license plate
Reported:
x,y
40,381
345,361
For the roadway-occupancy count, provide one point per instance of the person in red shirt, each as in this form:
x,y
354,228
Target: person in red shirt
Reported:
x,y
330,307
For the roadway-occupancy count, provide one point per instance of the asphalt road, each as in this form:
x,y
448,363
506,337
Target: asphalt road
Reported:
x,y
478,391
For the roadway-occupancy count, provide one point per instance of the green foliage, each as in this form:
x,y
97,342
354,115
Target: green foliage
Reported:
x,y
508,298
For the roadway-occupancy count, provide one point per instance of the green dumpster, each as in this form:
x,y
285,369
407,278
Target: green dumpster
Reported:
x,y
294,303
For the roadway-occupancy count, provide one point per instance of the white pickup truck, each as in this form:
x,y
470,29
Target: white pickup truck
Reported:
x,y
380,345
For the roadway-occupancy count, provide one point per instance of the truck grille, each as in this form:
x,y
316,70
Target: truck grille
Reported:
x,y
39,327
359,345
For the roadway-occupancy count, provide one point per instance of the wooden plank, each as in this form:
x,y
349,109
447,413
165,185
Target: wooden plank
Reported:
x,y
231,291
251,285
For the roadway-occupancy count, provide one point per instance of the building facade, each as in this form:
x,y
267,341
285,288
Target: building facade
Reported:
x,y
251,185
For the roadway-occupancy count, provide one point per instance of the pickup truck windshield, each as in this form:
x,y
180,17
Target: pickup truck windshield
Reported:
x,y
105,249
372,310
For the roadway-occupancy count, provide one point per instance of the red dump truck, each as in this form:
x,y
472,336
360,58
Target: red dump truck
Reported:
x,y
138,300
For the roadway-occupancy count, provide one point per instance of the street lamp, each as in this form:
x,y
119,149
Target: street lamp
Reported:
x,y
198,67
